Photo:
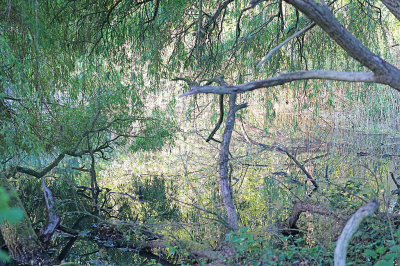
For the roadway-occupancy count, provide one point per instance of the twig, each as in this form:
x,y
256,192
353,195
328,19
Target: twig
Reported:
x,y
132,197
309,177
279,46
394,180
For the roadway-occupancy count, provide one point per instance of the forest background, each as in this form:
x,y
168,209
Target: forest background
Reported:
x,y
106,159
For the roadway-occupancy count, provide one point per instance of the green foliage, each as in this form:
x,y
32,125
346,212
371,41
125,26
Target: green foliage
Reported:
x,y
158,205
256,251
56,96
70,205
244,243
153,262
7,214
157,133
79,74
11,215
344,197
383,252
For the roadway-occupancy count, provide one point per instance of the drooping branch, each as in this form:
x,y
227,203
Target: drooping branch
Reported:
x,y
285,78
216,15
270,53
157,5
323,17
384,72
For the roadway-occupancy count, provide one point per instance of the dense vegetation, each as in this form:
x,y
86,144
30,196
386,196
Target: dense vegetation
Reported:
x,y
106,159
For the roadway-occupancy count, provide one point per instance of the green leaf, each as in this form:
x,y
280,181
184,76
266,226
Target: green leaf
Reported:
x,y
4,256
370,253
380,250
391,256
12,215
384,263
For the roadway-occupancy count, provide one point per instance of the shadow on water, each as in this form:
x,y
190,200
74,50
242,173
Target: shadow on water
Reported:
x,y
87,251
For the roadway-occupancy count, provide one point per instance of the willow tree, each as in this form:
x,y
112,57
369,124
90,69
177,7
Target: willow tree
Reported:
x,y
75,74
199,41
322,14
58,101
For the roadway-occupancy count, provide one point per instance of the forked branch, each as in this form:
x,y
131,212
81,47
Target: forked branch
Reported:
x,y
285,78
385,73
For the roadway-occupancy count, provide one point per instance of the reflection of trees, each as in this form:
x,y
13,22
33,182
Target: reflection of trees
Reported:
x,y
79,79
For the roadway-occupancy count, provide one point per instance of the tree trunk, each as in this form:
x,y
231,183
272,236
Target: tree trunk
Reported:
x,y
20,238
225,187
393,6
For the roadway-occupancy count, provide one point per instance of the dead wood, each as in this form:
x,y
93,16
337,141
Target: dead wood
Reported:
x,y
289,227
349,230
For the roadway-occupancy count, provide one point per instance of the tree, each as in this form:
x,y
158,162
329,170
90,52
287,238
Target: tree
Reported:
x,y
321,14
55,103
76,75
382,71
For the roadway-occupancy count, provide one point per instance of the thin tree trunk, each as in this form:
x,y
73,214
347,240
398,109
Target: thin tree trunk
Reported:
x,y
225,187
22,242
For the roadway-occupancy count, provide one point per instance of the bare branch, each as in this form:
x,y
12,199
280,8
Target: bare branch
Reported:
x,y
47,169
323,17
279,46
285,78
47,231
351,227
221,82
394,180
309,177
301,207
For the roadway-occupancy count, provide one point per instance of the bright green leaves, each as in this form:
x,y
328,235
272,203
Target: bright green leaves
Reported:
x,y
11,215
384,254
157,132
7,214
